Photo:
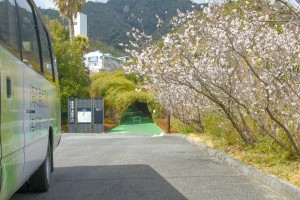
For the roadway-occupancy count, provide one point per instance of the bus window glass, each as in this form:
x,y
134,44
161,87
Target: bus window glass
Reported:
x,y
8,27
47,64
30,47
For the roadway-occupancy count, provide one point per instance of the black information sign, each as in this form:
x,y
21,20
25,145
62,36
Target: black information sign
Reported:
x,y
98,115
71,111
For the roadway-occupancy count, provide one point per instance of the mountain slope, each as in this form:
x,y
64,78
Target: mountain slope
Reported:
x,y
109,22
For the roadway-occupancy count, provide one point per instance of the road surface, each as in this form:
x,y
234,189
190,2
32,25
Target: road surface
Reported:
x,y
129,167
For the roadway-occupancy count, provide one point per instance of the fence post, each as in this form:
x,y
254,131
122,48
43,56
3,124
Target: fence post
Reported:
x,y
169,124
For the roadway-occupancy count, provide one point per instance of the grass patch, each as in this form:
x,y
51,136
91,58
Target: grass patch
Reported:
x,y
176,125
265,156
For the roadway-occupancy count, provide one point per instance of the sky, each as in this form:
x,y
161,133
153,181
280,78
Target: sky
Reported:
x,y
49,3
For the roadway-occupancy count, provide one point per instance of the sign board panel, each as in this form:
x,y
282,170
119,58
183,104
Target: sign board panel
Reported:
x,y
98,116
84,115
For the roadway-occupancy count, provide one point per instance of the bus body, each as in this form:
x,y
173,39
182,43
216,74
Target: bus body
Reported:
x,y
29,99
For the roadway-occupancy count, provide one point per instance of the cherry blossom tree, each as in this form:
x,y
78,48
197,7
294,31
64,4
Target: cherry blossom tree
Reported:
x,y
239,59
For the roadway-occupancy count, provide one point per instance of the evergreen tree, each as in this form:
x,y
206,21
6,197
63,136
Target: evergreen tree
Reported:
x,y
68,10
73,75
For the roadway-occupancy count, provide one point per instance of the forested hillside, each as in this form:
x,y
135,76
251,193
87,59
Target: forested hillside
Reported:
x,y
109,22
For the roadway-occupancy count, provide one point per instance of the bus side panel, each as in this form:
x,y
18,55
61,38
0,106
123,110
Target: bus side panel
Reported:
x,y
12,170
40,97
56,124
12,137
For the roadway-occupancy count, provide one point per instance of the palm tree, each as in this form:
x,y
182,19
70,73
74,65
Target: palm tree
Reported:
x,y
68,9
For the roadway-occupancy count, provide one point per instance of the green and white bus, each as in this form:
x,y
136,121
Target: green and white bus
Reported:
x,y
29,99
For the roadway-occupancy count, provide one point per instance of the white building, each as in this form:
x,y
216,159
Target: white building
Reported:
x,y
80,25
97,61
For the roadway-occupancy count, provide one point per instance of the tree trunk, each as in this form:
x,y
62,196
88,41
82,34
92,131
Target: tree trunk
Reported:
x,y
71,27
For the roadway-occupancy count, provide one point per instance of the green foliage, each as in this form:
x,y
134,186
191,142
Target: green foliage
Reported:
x,y
137,79
51,14
105,48
218,126
82,42
181,127
73,76
119,93
267,146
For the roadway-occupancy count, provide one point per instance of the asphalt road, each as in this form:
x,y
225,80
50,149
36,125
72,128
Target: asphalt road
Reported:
x,y
112,167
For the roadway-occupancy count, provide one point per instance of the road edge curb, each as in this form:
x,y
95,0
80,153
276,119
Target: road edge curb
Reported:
x,y
282,187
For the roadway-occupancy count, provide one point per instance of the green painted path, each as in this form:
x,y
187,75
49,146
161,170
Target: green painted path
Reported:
x,y
135,122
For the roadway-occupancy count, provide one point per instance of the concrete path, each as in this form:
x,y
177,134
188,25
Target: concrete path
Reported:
x,y
129,167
